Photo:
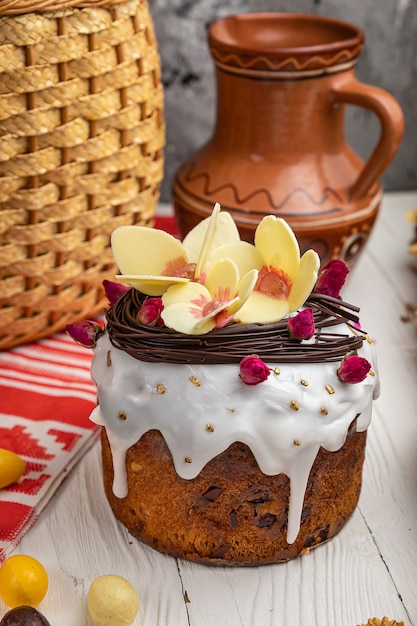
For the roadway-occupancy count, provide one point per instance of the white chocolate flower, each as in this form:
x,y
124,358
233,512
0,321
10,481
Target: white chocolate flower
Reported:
x,y
152,260
285,280
195,309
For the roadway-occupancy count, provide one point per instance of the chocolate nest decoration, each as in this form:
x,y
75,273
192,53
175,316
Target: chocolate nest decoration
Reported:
x,y
271,342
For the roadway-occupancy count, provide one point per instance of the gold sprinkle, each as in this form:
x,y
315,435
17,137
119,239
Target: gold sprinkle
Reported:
x,y
210,428
136,467
294,405
304,383
324,411
297,442
188,459
108,358
277,371
161,389
230,409
122,416
329,389
371,373
195,381
368,339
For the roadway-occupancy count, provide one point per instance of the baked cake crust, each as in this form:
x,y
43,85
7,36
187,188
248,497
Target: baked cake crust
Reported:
x,y
232,513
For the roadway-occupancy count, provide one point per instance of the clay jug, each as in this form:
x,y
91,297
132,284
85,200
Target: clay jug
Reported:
x,y
278,145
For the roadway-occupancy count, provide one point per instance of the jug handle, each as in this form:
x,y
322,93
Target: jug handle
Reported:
x,y
348,90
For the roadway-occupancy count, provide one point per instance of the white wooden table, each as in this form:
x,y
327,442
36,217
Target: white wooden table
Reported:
x,y
368,570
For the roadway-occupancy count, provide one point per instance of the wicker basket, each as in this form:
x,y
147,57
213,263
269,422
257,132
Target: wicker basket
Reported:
x,y
81,152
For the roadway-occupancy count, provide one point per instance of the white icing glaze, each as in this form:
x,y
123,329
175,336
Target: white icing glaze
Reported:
x,y
260,416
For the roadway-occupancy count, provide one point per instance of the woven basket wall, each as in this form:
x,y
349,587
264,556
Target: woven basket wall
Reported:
x,y
81,152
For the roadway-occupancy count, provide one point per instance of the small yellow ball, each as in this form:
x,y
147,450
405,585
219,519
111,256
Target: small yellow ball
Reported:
x,y
112,601
23,581
12,467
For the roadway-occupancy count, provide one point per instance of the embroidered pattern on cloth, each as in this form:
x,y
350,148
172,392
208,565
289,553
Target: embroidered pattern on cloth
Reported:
x,y
46,398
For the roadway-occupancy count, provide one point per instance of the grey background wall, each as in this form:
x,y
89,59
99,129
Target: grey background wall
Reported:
x,y
389,60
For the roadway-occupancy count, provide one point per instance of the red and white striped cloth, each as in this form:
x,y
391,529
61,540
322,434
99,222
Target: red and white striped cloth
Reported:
x,y
46,397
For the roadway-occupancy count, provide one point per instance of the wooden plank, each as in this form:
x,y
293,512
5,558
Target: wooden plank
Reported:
x,y
78,539
343,582
388,501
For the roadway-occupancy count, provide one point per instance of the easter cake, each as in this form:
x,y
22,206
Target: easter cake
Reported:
x,y
235,389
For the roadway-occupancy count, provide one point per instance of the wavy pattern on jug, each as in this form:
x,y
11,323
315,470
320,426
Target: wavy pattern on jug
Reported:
x,y
329,195
288,64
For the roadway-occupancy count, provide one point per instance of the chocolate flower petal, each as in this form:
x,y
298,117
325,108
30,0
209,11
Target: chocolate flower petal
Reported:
x,y
151,260
277,244
243,253
184,309
284,280
246,287
262,309
223,280
304,280
140,251
225,232
152,285
196,309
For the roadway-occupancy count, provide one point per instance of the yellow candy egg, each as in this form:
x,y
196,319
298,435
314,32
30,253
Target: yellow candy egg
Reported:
x,y
23,581
11,467
112,601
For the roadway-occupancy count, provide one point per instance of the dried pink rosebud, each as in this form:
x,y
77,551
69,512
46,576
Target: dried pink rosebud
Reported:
x,y
353,369
85,332
301,326
253,370
331,278
150,312
114,291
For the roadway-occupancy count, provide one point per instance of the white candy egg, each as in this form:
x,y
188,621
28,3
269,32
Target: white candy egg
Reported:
x,y
112,601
